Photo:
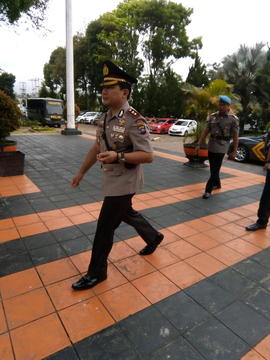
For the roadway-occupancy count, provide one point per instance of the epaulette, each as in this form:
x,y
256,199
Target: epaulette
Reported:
x,y
134,113
233,115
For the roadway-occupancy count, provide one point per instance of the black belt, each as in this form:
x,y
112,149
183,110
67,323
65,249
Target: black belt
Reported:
x,y
226,138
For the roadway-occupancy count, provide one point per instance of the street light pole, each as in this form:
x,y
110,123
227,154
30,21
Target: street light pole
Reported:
x,y
70,129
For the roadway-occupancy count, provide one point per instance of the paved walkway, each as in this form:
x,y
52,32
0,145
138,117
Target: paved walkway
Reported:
x,y
204,294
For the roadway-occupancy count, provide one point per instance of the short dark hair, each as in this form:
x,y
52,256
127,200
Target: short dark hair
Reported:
x,y
125,86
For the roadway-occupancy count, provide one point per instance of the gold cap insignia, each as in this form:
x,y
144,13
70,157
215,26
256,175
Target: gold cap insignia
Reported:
x,y
105,70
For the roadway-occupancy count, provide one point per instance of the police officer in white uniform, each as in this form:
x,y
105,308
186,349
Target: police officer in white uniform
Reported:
x,y
122,145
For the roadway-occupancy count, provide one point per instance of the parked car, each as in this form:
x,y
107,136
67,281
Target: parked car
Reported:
x,y
250,148
88,117
97,117
161,125
23,110
183,127
78,118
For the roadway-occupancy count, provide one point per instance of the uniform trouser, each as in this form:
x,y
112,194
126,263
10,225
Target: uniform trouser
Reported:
x,y
264,207
215,161
114,210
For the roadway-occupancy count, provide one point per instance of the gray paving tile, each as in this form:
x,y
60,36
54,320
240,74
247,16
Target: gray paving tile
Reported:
x,y
259,299
38,240
68,233
245,322
109,344
232,281
179,349
263,258
209,295
88,228
216,342
65,354
148,330
46,254
13,247
182,311
252,270
77,245
14,263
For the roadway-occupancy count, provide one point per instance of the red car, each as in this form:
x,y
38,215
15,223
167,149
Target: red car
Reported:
x,y
161,125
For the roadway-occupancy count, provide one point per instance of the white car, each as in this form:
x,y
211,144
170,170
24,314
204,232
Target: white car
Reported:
x,y
183,127
88,117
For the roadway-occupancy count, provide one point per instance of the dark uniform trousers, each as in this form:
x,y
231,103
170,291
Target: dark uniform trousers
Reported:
x,y
264,207
215,161
114,210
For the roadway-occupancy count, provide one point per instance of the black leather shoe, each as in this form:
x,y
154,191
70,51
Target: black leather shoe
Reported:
x,y
255,227
216,187
149,249
206,195
87,282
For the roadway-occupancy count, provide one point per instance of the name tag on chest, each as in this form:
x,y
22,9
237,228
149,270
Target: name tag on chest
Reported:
x,y
119,129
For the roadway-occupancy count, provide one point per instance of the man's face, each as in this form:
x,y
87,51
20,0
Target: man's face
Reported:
x,y
224,108
113,96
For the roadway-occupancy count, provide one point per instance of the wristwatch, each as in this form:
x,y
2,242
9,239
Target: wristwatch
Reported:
x,y
121,158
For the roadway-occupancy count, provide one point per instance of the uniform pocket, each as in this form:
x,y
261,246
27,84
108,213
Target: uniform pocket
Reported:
x,y
114,169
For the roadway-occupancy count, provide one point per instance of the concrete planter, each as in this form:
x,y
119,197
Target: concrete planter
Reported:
x,y
11,163
196,158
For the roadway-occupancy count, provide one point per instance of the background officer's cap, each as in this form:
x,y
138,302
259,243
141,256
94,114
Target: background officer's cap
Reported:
x,y
225,99
113,75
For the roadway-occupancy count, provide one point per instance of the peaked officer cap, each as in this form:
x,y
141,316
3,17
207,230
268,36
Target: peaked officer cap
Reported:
x,y
225,99
113,75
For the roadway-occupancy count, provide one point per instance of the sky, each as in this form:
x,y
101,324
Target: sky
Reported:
x,y
223,26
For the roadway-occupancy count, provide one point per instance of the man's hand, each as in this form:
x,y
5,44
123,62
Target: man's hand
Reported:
x,y
76,180
107,157
232,155
266,166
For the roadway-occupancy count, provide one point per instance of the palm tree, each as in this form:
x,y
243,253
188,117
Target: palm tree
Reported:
x,y
203,101
240,69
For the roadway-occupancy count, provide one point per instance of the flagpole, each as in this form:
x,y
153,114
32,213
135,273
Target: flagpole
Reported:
x,y
70,129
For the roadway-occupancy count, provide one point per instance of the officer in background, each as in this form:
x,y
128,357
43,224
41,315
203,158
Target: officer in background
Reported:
x,y
264,206
222,126
122,145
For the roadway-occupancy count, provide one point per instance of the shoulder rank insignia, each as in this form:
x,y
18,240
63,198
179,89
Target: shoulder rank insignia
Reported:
x,y
133,112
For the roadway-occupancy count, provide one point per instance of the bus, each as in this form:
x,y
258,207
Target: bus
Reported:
x,y
47,111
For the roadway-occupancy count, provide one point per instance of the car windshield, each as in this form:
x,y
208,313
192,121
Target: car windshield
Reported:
x,y
159,121
90,114
181,122
54,108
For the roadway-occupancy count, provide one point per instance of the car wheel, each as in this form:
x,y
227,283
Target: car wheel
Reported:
x,y
186,132
163,131
241,154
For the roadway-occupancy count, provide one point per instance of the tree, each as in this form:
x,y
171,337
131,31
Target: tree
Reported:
x,y
55,72
12,11
44,92
240,69
7,82
141,36
261,91
160,27
197,74
200,102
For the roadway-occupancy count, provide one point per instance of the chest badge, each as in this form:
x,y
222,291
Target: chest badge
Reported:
x,y
121,113
121,122
119,129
